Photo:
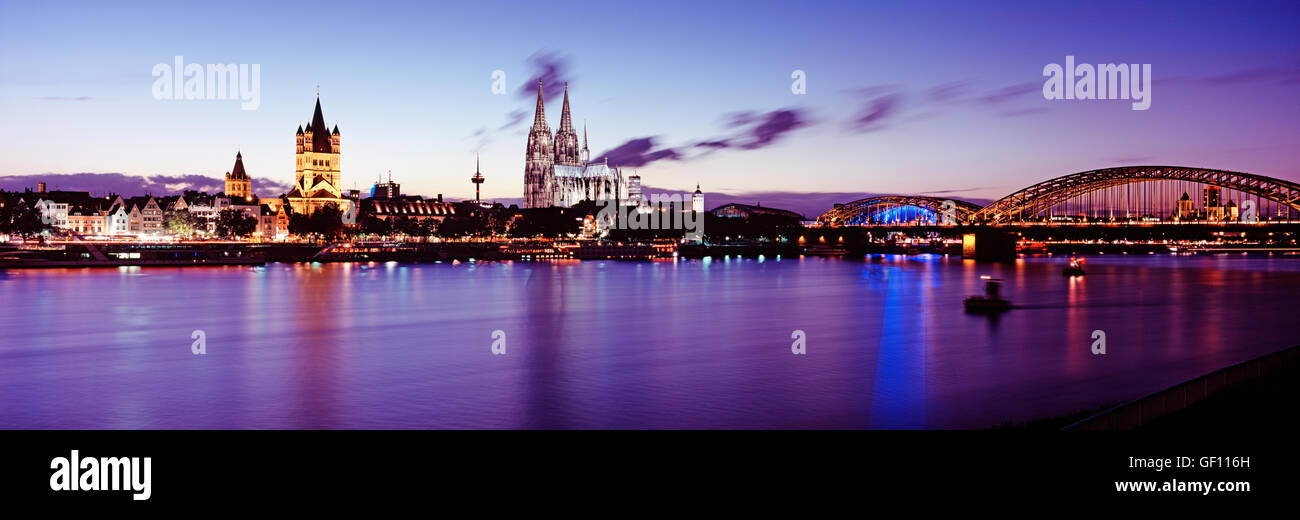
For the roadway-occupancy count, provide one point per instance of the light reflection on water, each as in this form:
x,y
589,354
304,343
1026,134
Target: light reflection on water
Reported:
x,y
677,344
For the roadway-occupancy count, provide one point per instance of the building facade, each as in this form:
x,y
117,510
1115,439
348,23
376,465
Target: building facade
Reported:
x,y
558,171
317,171
237,182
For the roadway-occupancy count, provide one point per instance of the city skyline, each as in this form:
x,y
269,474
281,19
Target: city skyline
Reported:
x,y
971,124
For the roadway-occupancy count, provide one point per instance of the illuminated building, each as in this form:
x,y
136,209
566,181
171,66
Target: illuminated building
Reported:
x,y
557,173
318,173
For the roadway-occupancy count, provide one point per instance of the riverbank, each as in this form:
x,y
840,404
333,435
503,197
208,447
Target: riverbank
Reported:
x,y
1263,403
1257,394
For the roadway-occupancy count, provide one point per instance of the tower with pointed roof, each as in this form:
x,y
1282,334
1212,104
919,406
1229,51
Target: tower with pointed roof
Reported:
x,y
586,153
538,158
318,173
238,184
567,152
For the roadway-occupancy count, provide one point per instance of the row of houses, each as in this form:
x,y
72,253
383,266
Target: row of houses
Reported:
x,y
80,213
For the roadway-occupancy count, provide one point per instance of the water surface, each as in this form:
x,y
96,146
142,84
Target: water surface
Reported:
x,y
608,344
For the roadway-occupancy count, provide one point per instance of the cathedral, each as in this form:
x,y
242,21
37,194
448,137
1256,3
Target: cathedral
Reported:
x,y
559,173
317,173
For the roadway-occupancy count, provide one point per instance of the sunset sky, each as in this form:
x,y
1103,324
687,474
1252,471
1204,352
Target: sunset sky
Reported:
x,y
902,97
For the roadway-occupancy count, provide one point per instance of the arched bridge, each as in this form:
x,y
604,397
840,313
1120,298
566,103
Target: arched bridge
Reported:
x,y
1111,194
1039,199
880,209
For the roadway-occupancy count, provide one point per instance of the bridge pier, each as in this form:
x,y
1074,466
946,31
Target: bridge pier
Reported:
x,y
989,246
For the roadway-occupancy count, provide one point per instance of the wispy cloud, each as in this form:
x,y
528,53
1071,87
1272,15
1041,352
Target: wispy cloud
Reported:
x,y
552,69
876,106
750,130
638,152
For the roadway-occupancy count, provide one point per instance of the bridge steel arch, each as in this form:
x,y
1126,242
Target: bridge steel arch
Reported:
x,y
1039,198
862,211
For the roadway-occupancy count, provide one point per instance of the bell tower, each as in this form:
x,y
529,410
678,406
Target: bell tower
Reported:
x,y
538,158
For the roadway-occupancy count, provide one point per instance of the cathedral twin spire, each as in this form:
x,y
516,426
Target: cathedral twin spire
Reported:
x,y
539,115
565,146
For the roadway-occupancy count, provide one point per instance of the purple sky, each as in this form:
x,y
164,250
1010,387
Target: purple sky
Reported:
x,y
915,97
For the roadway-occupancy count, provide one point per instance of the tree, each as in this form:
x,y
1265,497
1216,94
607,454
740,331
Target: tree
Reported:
x,y
184,223
372,225
327,221
300,224
235,223
22,219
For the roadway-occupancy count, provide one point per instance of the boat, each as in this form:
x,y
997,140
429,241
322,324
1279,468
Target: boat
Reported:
x,y
1075,268
825,251
991,302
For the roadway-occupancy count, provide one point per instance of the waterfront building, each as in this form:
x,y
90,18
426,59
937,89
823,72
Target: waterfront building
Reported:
x,y
747,211
557,171
145,215
634,190
411,207
119,217
318,173
386,190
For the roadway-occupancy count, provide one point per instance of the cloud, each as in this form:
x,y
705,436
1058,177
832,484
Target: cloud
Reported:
x,y
772,125
757,129
550,67
955,91
881,106
876,108
99,184
638,152
752,131
553,70
513,118
714,144
1010,93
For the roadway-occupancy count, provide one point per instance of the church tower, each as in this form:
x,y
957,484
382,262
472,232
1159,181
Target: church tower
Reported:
x,y
567,152
538,158
318,173
317,151
238,185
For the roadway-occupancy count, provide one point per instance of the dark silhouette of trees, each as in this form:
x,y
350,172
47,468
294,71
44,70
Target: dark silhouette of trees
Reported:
x,y
235,223
22,219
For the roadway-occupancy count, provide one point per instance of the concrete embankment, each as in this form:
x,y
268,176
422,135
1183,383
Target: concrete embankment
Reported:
x,y
1250,386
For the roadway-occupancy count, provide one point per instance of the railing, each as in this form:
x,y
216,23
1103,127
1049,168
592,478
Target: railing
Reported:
x,y
1146,409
